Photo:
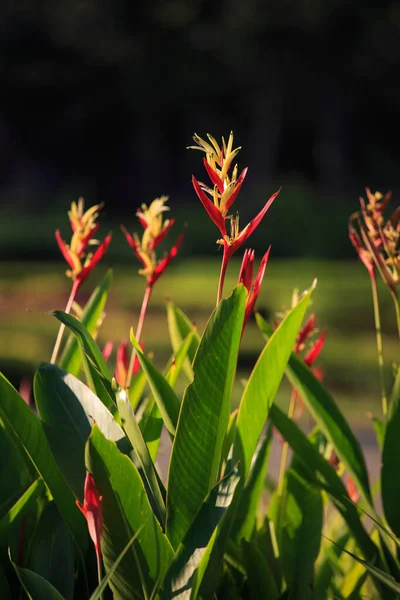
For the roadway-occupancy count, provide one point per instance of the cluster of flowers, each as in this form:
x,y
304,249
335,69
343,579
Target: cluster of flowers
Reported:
x,y
375,239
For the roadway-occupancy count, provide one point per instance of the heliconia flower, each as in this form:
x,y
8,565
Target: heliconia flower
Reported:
x,y
246,277
165,262
155,231
122,363
211,208
304,333
232,242
91,510
363,253
79,272
107,350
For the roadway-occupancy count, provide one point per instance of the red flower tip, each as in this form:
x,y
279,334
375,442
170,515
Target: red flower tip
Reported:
x,y
157,240
304,333
64,250
313,354
246,277
107,350
215,178
352,491
91,510
212,210
122,363
96,258
165,262
238,185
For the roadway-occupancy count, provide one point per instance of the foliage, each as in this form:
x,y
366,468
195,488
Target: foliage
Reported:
x,y
211,523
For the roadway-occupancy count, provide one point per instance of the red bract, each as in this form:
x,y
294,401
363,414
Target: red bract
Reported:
x,y
313,354
246,277
164,262
213,211
232,244
91,510
79,273
304,334
134,244
122,363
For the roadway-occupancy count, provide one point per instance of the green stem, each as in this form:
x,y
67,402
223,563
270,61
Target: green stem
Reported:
x,y
379,342
397,309
99,575
74,290
224,265
145,303
285,449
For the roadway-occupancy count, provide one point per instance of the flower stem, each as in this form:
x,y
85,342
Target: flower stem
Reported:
x,y
74,290
379,342
396,308
138,333
99,574
285,449
224,265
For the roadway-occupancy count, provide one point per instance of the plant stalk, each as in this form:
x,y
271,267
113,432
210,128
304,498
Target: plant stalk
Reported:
x,y
396,308
143,310
285,449
379,342
99,574
74,290
224,265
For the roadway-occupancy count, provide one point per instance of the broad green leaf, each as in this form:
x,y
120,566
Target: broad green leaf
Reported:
x,y
380,428
151,423
179,581
35,586
134,434
97,373
126,509
85,340
390,480
97,594
4,585
15,474
250,497
228,441
71,359
26,430
21,507
138,384
167,400
259,577
299,513
179,327
204,417
68,408
329,418
263,384
322,472
51,552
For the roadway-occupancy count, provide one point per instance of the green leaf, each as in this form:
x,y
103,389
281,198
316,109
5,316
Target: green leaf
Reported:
x,y
249,502
26,430
21,507
263,384
179,581
329,418
15,474
322,472
68,408
299,513
99,379
204,417
180,327
97,594
51,552
71,359
35,586
4,586
259,577
390,480
134,434
167,400
85,340
126,509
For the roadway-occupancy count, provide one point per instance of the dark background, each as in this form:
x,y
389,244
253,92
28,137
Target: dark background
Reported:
x,y
100,99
